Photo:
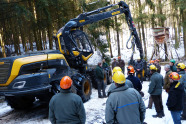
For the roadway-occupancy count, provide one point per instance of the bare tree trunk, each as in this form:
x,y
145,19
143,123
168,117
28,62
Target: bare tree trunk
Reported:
x,y
184,30
117,33
50,36
109,42
144,42
2,46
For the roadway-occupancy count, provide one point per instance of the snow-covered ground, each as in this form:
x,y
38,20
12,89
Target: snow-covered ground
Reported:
x,y
95,111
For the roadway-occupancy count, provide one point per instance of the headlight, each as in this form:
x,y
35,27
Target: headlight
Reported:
x,y
19,85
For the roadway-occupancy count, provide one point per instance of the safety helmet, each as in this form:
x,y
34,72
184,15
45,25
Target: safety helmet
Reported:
x,y
174,76
173,61
180,66
119,57
153,67
65,82
151,61
119,77
130,69
115,69
138,58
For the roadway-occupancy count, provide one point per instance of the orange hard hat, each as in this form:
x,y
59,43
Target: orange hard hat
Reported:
x,y
174,76
65,82
130,69
119,57
151,61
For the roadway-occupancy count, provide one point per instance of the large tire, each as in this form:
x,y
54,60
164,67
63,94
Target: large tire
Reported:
x,y
92,75
83,86
20,102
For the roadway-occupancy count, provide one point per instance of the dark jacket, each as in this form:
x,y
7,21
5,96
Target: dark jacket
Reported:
x,y
124,106
181,73
166,85
173,68
66,107
156,83
114,64
183,81
135,81
99,73
175,100
121,63
105,65
138,65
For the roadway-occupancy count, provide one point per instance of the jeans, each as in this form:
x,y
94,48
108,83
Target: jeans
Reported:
x,y
176,116
101,87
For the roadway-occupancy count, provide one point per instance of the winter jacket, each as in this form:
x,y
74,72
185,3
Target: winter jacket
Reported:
x,y
183,81
124,106
121,63
166,85
66,107
114,64
99,73
135,81
158,67
105,65
175,100
173,68
138,65
156,83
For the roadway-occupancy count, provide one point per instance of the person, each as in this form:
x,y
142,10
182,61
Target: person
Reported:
x,y
166,85
135,80
121,63
114,63
104,64
180,69
124,104
100,82
139,68
172,65
175,99
156,63
66,107
155,90
128,82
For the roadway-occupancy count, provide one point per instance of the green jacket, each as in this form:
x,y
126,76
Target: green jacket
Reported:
x,y
66,107
166,85
173,68
99,72
105,65
124,106
156,83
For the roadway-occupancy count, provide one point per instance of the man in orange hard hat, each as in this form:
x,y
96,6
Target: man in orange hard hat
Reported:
x,y
66,107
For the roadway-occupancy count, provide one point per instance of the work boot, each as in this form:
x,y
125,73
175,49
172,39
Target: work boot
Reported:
x,y
159,115
100,97
183,118
148,107
162,113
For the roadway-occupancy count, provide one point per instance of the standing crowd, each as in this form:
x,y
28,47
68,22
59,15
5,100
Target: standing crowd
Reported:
x,y
124,104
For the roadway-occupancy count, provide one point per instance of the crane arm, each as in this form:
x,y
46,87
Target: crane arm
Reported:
x,y
101,14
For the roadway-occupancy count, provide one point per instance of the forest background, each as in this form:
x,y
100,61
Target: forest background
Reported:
x,y
33,23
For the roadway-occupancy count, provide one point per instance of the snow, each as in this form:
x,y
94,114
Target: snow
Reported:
x,y
95,110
